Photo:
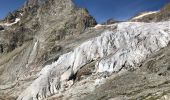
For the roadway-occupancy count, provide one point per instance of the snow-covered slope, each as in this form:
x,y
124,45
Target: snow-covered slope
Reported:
x,y
10,24
145,14
115,49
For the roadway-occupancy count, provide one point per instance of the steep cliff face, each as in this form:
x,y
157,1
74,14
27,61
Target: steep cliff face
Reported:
x,y
50,49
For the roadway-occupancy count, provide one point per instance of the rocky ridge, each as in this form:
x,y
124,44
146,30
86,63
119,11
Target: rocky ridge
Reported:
x,y
153,16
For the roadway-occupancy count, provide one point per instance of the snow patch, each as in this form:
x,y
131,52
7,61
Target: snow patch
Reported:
x,y
145,14
10,24
21,14
98,26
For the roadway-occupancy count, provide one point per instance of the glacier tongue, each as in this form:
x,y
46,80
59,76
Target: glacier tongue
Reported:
x,y
115,49
134,42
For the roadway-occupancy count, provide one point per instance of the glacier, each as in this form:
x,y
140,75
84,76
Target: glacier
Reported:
x,y
115,49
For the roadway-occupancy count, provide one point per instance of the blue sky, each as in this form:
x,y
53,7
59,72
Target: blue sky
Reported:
x,y
9,5
119,9
100,9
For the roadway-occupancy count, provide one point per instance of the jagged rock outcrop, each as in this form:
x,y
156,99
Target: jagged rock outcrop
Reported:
x,y
110,21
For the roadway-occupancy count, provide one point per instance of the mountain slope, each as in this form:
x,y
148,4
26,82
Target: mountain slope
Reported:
x,y
44,32
114,53
154,16
55,51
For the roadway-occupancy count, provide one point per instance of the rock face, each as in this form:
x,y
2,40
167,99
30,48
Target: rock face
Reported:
x,y
29,43
110,21
53,51
1,28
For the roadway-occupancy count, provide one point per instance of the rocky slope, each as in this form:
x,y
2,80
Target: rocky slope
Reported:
x,y
110,21
153,16
37,38
50,49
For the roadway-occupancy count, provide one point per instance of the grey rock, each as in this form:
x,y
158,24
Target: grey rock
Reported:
x,y
1,28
